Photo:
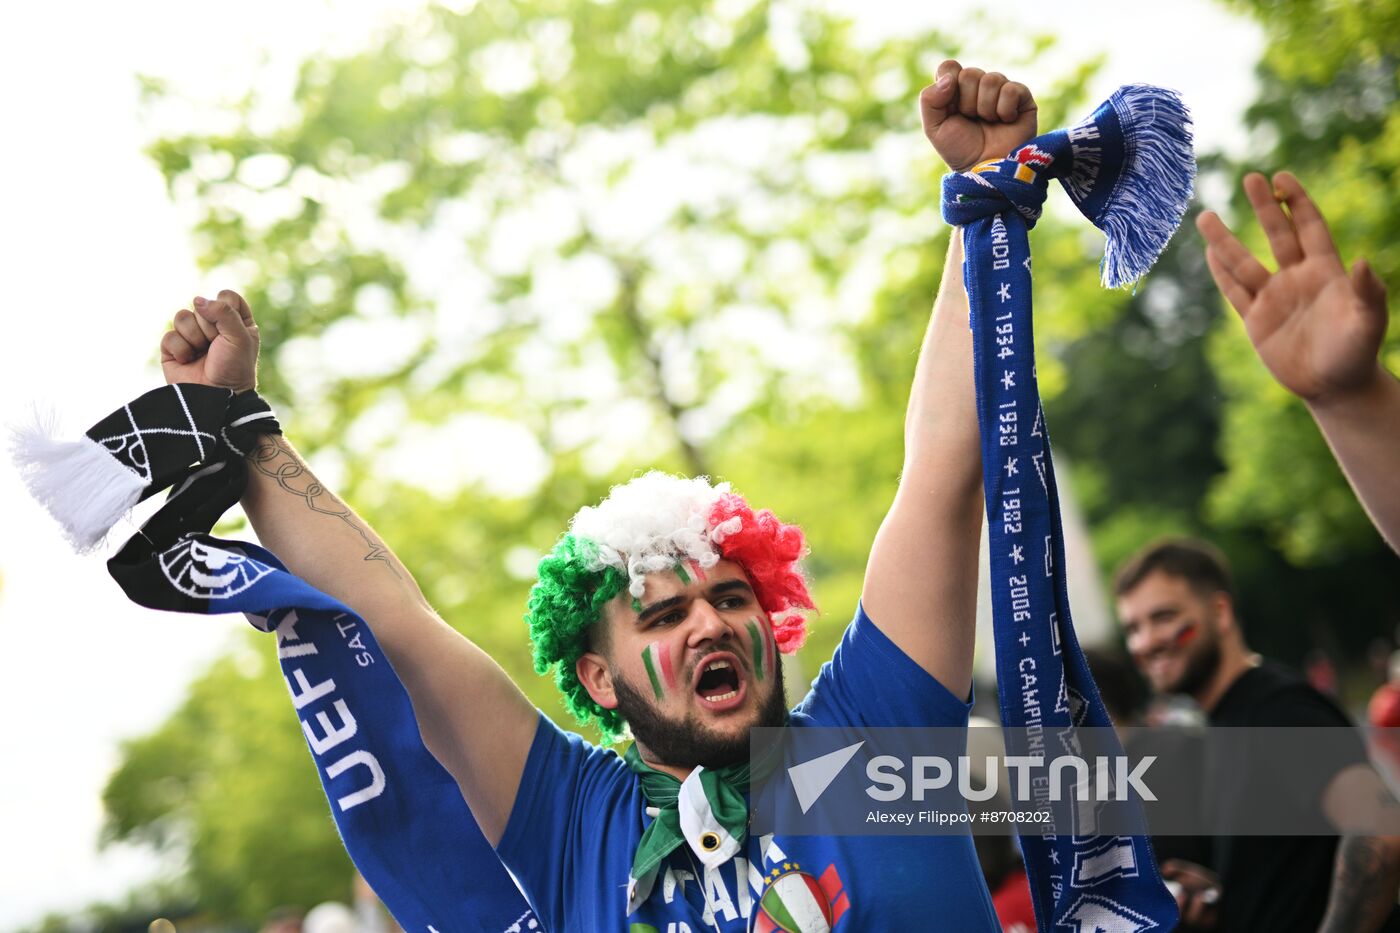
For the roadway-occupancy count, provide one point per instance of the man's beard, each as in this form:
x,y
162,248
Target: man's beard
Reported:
x,y
688,742
1200,666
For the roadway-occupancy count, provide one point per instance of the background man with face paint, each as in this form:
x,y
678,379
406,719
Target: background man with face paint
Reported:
x,y
664,610
1176,605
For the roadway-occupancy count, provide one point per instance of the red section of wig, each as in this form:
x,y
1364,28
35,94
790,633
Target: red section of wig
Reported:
x,y
768,550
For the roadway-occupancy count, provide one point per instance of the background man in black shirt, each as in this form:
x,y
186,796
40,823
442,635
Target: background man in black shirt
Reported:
x,y
1176,605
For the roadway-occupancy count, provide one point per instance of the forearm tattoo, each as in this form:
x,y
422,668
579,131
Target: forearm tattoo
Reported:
x,y
272,457
1360,890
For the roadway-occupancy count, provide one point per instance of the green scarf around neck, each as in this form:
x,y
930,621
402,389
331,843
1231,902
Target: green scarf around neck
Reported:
x,y
708,810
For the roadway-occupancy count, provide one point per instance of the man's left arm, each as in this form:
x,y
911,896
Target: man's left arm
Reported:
x,y
1366,871
921,582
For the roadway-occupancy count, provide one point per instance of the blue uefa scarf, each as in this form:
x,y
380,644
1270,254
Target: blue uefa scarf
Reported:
x,y
1129,169
400,814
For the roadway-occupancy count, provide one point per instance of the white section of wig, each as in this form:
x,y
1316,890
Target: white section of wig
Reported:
x,y
80,483
650,523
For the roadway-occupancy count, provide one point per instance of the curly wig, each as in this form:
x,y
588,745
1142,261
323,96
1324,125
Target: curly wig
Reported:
x,y
643,526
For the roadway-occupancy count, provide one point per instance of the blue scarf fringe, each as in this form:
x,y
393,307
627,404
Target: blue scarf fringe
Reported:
x,y
1147,204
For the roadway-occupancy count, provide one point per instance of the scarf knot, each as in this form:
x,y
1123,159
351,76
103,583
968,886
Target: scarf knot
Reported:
x,y
1128,167
1018,182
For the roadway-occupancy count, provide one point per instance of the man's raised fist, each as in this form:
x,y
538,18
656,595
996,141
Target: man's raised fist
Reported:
x,y
215,345
971,115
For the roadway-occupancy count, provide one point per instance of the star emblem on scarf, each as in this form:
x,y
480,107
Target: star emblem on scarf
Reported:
x,y
1016,553
1011,468
1008,379
1004,293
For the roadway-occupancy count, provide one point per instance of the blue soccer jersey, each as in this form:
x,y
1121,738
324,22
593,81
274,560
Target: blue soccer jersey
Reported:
x,y
579,815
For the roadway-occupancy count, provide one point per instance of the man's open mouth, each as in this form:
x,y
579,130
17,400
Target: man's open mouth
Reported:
x,y
718,682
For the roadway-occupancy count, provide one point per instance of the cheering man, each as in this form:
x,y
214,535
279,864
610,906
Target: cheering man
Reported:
x,y
662,612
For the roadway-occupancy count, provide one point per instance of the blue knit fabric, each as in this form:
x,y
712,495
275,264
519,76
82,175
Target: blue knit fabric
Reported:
x,y
1129,169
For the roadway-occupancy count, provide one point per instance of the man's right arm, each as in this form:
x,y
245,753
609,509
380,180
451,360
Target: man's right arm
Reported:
x,y
472,717
1318,330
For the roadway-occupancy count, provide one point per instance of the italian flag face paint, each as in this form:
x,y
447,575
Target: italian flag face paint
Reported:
x,y
762,648
657,659
1186,635
689,571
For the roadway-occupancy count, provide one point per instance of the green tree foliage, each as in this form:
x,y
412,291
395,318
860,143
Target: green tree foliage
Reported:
x,y
578,239
218,781
508,256
1310,569
1171,424
581,239
1139,420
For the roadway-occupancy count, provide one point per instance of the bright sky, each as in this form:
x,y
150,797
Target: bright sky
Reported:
x,y
99,260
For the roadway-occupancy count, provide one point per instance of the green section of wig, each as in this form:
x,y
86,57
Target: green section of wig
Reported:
x,y
567,599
